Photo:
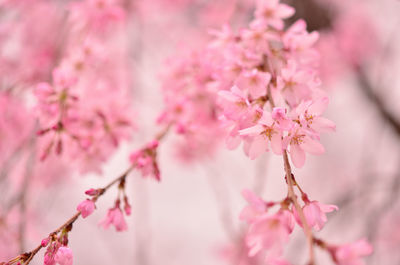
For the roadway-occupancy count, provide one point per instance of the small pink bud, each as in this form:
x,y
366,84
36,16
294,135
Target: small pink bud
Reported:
x,y
86,208
153,144
93,192
45,242
127,206
59,147
180,129
42,132
64,256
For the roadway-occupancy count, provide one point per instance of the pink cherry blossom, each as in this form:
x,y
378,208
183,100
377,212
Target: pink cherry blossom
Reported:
x,y
279,115
299,43
127,206
235,102
51,251
299,142
237,253
64,256
45,242
93,192
272,13
145,160
256,207
114,217
315,213
269,232
265,133
308,115
295,84
86,207
352,254
255,82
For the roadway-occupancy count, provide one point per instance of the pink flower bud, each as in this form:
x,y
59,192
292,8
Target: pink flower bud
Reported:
x,y
45,242
86,208
64,256
93,192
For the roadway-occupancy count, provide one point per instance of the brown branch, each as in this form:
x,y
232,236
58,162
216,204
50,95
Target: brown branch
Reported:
x,y
368,90
69,222
293,198
318,16
28,256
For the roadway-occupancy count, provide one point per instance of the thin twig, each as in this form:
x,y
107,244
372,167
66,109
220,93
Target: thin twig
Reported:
x,y
293,198
27,257
367,89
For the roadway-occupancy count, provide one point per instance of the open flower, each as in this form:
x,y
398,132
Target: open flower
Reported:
x,y
308,115
255,82
265,133
255,208
269,233
64,256
271,13
299,142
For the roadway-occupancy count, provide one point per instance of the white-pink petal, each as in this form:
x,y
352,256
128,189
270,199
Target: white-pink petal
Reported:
x,y
318,106
276,143
285,11
312,146
321,124
252,131
258,147
297,155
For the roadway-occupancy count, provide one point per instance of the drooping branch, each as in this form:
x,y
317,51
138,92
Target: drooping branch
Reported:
x,y
28,256
368,90
293,198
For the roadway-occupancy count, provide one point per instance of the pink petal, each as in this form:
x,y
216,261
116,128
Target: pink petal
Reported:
x,y
321,124
276,143
229,96
312,214
327,208
266,119
232,142
297,155
252,131
312,146
258,146
319,106
285,11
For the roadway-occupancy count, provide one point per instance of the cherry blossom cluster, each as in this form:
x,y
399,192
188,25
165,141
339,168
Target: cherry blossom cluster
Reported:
x,y
262,83
84,110
115,216
57,251
273,98
191,104
266,92
269,231
259,86
145,160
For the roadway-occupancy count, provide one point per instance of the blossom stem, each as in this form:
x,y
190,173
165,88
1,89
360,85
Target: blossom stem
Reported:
x,y
292,195
293,198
